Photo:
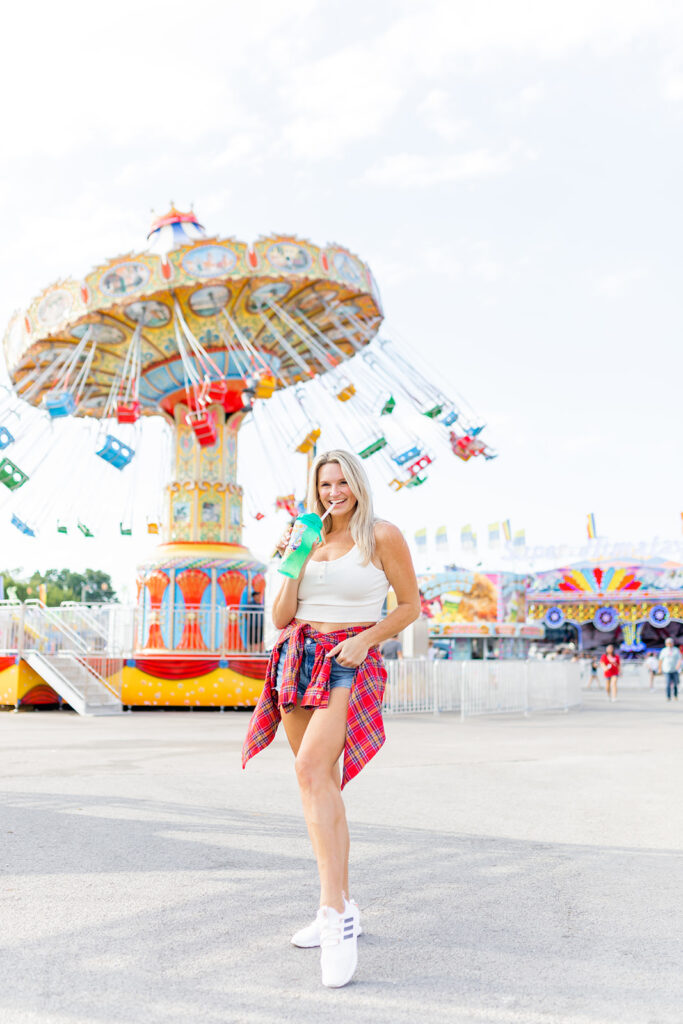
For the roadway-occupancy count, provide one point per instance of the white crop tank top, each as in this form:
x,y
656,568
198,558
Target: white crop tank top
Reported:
x,y
342,590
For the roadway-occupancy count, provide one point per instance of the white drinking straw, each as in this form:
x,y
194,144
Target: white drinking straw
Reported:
x,y
332,504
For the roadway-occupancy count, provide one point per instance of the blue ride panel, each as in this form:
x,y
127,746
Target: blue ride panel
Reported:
x,y
6,438
60,403
411,453
21,525
115,452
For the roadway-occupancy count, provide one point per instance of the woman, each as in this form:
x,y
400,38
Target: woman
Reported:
x,y
326,674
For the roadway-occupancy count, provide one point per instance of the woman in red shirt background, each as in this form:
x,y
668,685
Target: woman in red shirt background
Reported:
x,y
611,667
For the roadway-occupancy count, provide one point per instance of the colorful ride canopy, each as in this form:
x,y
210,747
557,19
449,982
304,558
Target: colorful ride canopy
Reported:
x,y
149,324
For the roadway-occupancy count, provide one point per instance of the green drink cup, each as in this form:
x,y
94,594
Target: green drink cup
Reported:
x,y
307,529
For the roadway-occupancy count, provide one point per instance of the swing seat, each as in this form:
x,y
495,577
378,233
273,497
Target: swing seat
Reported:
x,y
115,452
204,426
287,503
217,390
460,446
258,516
61,528
264,386
232,402
406,456
152,528
125,531
229,397
127,412
6,438
11,476
59,403
416,467
309,441
388,406
416,481
433,412
84,529
449,419
21,525
371,449
348,391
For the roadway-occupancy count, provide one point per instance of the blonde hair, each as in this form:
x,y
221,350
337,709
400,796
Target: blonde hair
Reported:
x,y
362,523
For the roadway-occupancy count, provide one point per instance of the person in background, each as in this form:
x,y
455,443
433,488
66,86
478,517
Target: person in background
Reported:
x,y
670,664
652,666
392,648
611,668
593,678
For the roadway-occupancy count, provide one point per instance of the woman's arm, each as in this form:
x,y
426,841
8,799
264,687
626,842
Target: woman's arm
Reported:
x,y
394,555
285,604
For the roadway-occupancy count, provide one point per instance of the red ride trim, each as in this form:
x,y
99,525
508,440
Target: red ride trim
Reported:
x,y
7,662
176,668
252,668
41,694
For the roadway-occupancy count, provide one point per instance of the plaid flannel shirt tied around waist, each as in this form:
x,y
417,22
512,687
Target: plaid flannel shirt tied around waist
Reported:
x,y
364,725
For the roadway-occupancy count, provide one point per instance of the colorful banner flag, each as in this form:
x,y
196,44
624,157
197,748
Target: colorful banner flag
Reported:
x,y
507,531
441,538
494,535
421,539
590,526
519,540
468,538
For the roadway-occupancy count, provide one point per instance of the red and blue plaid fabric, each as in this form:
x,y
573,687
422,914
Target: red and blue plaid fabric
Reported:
x,y
364,726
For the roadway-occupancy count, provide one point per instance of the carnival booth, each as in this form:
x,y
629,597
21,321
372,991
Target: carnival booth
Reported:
x,y
476,615
632,605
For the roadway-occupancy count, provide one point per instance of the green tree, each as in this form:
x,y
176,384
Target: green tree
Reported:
x,y
90,586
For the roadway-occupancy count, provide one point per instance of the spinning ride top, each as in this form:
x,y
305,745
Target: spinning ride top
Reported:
x,y
200,330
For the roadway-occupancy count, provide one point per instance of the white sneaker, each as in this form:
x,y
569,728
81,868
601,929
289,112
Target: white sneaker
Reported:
x,y
338,947
308,937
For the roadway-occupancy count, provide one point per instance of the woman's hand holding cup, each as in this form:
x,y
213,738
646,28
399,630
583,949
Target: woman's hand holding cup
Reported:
x,y
284,540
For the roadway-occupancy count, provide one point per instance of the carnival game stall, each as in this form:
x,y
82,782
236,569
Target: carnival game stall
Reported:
x,y
475,615
635,606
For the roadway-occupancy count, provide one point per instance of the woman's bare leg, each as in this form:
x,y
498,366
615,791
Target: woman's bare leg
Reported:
x,y
344,831
295,723
318,774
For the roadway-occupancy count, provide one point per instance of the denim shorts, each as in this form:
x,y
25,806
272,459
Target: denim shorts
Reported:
x,y
340,675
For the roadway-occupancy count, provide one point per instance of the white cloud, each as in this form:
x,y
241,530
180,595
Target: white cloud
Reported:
x,y
338,99
618,283
523,100
451,28
417,170
438,113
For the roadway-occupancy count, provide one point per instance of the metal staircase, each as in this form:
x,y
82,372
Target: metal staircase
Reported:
x,y
88,679
76,682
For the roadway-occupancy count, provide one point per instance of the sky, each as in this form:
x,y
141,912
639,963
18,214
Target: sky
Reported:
x,y
510,172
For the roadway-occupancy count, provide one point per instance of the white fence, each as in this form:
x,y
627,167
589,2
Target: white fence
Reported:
x,y
481,687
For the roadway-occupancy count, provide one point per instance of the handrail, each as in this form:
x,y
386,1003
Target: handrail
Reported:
x,y
54,620
100,679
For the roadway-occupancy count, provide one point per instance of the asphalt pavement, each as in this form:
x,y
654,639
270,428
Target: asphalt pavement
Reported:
x,y
509,870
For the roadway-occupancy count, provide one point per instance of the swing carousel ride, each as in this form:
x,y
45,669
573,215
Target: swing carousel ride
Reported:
x,y
210,334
